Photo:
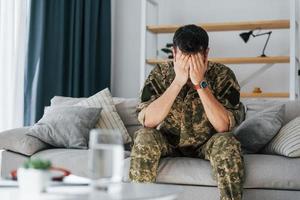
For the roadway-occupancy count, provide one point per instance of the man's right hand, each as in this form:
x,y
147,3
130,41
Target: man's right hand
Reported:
x,y
181,68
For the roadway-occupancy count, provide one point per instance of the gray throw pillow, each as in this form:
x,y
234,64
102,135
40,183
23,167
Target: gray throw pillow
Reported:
x,y
66,126
287,141
256,131
126,108
18,141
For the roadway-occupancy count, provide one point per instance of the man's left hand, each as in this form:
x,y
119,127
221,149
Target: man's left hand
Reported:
x,y
198,68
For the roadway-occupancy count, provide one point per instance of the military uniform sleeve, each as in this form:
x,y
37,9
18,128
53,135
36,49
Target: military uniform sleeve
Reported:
x,y
227,91
152,89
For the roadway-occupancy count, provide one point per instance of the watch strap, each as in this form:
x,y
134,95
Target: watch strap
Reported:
x,y
200,85
197,87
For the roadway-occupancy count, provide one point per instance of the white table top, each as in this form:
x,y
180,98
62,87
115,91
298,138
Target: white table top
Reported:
x,y
129,191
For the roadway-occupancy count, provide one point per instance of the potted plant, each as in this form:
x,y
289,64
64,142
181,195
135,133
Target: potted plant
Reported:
x,y
34,176
168,50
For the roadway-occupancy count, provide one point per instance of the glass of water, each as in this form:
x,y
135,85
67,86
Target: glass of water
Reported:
x,y
106,158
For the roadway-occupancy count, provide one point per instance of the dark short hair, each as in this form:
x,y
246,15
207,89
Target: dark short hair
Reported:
x,y
191,39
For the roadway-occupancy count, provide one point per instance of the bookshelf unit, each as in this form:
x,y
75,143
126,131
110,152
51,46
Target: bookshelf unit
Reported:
x,y
150,32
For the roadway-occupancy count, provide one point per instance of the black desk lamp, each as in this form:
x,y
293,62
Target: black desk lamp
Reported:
x,y
246,36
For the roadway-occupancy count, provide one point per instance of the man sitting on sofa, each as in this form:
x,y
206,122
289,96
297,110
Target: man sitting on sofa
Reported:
x,y
188,108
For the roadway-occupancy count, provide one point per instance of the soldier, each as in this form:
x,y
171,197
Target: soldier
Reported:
x,y
189,108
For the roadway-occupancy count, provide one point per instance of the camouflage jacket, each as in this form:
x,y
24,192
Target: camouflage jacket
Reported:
x,y
187,123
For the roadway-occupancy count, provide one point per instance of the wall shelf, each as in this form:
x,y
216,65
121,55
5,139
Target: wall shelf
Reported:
x,y
238,60
265,95
228,26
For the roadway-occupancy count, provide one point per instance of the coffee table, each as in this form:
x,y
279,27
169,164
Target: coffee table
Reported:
x,y
129,191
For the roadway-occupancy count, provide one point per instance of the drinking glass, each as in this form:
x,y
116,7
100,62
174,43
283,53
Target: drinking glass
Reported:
x,y
106,159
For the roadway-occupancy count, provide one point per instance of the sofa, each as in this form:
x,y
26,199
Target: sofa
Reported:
x,y
268,177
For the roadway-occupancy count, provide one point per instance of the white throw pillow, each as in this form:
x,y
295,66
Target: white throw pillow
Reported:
x,y
109,119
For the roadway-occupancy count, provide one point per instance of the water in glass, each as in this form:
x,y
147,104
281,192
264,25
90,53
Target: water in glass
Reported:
x,y
106,157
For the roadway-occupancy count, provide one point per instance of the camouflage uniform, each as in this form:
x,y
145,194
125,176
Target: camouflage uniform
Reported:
x,y
186,131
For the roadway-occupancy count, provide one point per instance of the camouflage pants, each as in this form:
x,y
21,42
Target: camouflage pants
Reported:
x,y
222,150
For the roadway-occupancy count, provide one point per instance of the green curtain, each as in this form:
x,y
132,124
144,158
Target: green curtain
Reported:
x,y
68,52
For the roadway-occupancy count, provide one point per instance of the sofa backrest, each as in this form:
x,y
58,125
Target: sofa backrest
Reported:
x,y
126,107
292,108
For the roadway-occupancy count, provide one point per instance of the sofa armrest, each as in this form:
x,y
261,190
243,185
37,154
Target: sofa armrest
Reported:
x,y
10,161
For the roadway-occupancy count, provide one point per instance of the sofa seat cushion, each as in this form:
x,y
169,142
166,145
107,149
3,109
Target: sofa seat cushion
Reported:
x,y
262,171
74,160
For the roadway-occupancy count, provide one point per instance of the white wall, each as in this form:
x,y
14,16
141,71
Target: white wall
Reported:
x,y
126,38
126,28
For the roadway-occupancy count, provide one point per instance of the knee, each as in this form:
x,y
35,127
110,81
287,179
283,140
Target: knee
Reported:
x,y
227,145
145,136
145,145
223,140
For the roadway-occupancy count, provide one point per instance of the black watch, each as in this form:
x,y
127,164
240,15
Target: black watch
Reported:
x,y
203,84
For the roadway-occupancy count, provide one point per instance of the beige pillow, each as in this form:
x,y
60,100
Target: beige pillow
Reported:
x,y
109,119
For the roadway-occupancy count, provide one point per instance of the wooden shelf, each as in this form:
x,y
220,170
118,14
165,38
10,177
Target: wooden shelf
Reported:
x,y
253,60
229,26
265,95
238,60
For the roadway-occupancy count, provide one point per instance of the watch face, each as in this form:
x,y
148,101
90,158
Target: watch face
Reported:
x,y
203,84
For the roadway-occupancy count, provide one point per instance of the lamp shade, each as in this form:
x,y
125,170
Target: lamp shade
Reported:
x,y
246,35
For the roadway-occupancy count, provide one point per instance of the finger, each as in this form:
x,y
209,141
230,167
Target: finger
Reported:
x,y
174,55
186,65
200,59
206,63
178,55
182,56
196,63
193,61
191,69
196,66
190,62
181,59
185,60
190,65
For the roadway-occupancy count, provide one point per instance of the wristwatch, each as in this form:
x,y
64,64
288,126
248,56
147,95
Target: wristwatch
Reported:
x,y
203,84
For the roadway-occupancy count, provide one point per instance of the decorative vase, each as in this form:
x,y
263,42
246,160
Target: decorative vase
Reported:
x,y
33,180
